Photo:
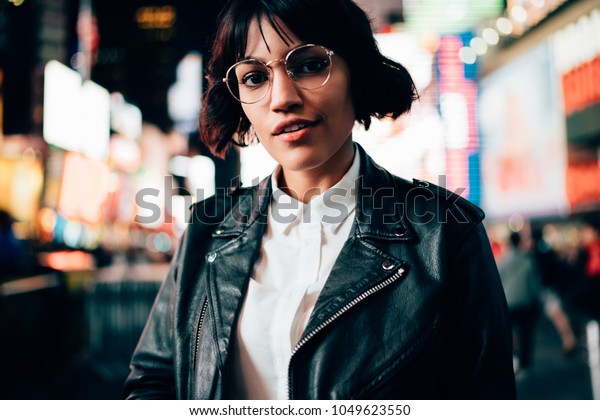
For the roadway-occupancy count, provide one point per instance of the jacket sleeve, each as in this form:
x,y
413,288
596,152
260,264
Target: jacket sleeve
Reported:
x,y
152,374
478,334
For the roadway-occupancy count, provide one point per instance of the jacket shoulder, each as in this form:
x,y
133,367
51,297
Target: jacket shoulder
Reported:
x,y
214,208
428,198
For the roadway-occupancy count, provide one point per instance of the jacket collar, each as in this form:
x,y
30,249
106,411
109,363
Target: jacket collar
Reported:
x,y
379,208
252,207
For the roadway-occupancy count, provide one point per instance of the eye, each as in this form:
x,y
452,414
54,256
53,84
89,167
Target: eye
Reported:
x,y
314,65
309,66
254,79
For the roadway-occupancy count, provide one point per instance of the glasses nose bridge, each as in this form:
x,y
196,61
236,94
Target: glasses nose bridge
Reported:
x,y
275,61
271,66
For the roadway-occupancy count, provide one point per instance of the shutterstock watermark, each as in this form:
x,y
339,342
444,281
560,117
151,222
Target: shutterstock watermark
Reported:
x,y
419,204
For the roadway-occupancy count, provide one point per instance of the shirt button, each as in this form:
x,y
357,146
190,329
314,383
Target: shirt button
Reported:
x,y
211,257
387,265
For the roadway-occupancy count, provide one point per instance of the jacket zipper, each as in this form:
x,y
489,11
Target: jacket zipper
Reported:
x,y
336,315
199,330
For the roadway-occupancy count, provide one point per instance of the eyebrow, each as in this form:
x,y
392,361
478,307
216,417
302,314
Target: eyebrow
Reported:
x,y
251,57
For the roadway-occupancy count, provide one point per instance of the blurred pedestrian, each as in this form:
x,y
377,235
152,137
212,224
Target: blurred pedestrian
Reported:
x,y
331,279
552,273
522,284
583,290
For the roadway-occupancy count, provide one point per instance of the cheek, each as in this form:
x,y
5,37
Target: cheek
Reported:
x,y
247,112
344,97
253,114
344,107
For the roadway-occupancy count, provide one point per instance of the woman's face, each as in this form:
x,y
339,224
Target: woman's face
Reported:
x,y
323,147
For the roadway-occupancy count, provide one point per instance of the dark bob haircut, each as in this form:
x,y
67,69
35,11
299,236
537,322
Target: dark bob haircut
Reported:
x,y
379,86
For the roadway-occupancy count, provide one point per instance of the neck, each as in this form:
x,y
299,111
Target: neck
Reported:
x,y
306,184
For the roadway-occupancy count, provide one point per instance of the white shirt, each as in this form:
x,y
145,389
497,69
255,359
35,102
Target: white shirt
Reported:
x,y
299,248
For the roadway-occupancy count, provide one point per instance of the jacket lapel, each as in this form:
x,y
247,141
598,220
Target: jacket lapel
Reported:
x,y
357,269
367,258
230,259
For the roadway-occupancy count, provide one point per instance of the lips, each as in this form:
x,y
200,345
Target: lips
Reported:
x,y
292,126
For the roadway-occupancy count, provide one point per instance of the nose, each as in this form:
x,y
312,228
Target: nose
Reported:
x,y
285,94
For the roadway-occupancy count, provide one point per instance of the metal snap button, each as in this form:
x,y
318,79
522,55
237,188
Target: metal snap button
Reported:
x,y
211,257
400,232
387,265
219,231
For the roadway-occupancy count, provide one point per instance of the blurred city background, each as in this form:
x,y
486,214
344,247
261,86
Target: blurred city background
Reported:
x,y
100,158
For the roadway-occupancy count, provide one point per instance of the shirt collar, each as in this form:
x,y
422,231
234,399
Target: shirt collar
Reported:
x,y
330,208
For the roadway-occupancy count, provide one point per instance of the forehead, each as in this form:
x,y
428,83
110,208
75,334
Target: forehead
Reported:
x,y
269,37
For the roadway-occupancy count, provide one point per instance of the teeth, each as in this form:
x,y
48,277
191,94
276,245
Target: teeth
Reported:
x,y
294,127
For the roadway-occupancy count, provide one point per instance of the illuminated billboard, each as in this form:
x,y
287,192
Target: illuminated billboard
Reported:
x,y
523,137
84,188
76,113
448,16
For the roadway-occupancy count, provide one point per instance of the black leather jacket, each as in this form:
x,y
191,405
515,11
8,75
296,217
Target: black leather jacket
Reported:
x,y
413,308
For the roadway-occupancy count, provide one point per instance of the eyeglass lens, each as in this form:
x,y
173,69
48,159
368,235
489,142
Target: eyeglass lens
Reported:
x,y
308,66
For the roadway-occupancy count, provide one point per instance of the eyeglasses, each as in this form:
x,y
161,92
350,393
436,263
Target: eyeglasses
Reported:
x,y
309,66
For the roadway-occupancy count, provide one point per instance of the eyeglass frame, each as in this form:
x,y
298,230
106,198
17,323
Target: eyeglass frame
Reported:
x,y
283,60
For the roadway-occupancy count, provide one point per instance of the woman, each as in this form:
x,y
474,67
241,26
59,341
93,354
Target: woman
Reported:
x,y
332,278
